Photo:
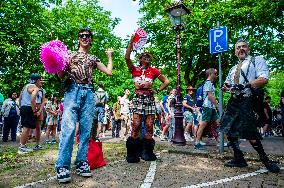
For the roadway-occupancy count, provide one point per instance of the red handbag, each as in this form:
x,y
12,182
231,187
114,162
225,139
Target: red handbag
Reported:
x,y
95,155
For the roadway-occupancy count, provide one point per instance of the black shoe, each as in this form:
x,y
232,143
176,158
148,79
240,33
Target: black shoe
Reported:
x,y
63,175
234,163
271,166
83,169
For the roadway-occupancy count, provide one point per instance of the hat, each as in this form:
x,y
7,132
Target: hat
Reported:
x,y
145,54
190,88
34,77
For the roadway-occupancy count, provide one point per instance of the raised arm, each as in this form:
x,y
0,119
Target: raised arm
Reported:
x,y
127,55
106,69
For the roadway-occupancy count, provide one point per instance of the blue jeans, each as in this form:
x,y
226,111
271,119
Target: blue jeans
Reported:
x,y
78,107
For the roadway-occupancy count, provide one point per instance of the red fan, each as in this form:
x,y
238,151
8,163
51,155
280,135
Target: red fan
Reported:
x,y
139,39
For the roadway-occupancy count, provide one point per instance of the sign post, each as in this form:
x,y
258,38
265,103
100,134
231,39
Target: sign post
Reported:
x,y
218,42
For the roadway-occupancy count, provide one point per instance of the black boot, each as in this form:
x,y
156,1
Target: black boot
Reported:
x,y
148,148
133,146
238,160
270,165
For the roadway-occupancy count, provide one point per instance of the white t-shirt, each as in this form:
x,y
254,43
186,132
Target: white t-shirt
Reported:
x,y
124,105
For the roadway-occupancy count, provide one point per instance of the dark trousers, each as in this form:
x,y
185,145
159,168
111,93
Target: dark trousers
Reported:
x,y
116,126
10,123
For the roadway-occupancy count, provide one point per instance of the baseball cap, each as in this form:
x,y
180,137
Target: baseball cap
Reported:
x,y
34,77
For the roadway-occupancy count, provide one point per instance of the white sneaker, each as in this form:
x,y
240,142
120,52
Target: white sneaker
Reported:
x,y
163,138
23,149
202,143
188,137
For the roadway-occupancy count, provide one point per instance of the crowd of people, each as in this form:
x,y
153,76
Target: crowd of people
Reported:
x,y
138,117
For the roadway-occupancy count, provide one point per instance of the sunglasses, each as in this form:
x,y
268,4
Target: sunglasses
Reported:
x,y
83,35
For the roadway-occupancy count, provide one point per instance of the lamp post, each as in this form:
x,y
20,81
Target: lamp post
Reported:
x,y
175,13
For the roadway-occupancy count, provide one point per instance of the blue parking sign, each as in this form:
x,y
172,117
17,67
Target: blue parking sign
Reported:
x,y
218,40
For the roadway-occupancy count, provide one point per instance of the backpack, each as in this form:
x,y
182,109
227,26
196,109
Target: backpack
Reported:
x,y
199,97
100,98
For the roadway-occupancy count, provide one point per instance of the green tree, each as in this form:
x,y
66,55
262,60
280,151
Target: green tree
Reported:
x,y
26,25
260,23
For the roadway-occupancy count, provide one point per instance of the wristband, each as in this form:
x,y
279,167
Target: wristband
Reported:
x,y
158,90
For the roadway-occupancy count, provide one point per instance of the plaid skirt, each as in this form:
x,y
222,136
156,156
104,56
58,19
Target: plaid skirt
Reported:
x,y
144,104
239,120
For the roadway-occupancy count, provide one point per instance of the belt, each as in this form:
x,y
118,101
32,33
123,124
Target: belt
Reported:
x,y
83,86
144,92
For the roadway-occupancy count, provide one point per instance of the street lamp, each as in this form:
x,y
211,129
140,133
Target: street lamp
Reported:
x,y
175,13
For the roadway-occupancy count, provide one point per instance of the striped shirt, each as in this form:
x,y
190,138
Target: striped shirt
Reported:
x,y
80,67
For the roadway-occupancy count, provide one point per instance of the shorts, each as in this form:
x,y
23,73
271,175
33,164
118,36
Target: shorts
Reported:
x,y
209,114
144,104
28,119
188,117
100,113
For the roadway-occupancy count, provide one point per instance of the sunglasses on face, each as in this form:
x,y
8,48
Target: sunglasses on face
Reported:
x,y
83,35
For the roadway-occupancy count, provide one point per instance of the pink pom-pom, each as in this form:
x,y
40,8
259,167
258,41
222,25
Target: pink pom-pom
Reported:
x,y
54,56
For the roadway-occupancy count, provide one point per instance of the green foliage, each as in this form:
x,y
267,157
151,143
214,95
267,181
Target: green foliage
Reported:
x,y
25,25
258,22
275,86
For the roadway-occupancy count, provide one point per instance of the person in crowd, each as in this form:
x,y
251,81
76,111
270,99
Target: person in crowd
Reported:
x,y
189,110
60,112
105,121
52,109
209,107
40,103
239,120
171,102
282,110
79,106
166,117
268,117
29,111
125,113
116,123
11,114
157,127
143,105
101,98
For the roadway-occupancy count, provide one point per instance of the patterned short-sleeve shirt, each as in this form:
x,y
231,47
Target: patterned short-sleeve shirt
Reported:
x,y
208,87
80,67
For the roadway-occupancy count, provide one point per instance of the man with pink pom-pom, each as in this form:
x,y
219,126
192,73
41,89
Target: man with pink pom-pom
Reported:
x,y
79,106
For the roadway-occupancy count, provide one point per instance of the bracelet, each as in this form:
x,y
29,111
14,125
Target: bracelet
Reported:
x,y
158,90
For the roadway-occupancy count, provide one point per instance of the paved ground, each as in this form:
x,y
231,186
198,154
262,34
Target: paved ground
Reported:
x,y
183,166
